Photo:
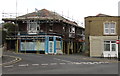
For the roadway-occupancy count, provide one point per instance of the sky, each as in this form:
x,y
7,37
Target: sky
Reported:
x,y
75,10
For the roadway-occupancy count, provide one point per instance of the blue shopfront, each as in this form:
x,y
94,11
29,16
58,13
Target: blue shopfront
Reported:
x,y
47,44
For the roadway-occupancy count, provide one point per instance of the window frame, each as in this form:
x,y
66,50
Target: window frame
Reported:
x,y
31,23
109,28
111,44
72,29
51,27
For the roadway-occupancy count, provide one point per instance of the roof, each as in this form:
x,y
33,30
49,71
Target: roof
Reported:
x,y
42,14
102,15
45,14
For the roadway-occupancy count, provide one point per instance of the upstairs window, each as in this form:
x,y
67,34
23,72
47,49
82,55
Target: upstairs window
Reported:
x,y
72,29
109,28
33,27
64,28
51,27
72,32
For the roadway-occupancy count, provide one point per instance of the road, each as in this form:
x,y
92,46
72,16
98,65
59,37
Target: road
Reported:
x,y
58,64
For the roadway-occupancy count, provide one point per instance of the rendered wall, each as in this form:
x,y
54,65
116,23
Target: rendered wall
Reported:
x,y
97,44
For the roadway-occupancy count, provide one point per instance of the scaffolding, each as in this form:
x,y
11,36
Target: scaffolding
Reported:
x,y
66,43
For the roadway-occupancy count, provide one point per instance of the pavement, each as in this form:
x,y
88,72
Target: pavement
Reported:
x,y
8,59
112,60
83,57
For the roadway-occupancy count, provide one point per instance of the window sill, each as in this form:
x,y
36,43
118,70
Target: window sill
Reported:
x,y
109,34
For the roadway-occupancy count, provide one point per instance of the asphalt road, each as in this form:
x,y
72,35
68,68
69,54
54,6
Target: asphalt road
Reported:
x,y
58,64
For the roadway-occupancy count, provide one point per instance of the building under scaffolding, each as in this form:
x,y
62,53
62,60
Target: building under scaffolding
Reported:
x,y
45,31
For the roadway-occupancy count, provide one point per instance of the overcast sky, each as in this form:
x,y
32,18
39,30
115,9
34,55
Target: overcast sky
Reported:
x,y
75,9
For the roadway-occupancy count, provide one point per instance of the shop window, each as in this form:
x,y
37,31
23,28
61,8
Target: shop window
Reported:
x,y
58,39
110,46
50,38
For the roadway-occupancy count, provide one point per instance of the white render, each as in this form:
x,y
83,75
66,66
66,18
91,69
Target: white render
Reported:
x,y
97,46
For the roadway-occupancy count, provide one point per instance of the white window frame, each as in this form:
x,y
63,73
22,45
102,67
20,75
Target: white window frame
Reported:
x,y
110,45
72,29
111,53
109,28
29,27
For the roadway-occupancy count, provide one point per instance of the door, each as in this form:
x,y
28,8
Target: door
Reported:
x,y
110,49
51,45
59,46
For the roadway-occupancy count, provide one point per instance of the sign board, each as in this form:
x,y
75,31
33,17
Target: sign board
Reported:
x,y
117,41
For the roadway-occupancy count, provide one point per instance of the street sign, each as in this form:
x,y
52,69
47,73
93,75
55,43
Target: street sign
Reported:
x,y
117,41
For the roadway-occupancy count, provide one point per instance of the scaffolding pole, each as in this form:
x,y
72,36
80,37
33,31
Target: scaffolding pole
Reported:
x,y
79,48
25,46
38,43
17,46
74,47
63,47
68,48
